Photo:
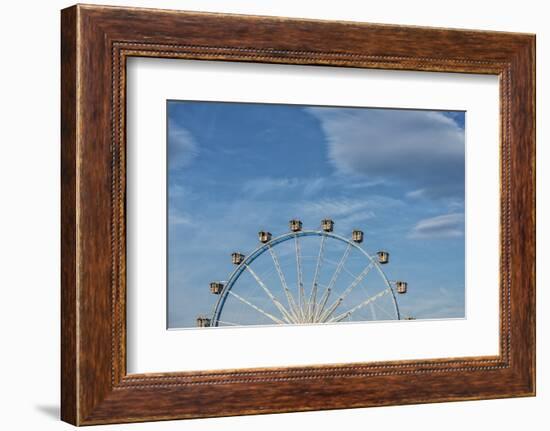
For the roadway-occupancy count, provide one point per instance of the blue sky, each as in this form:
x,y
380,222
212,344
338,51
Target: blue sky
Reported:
x,y
237,168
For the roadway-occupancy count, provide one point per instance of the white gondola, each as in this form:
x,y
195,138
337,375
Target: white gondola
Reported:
x,y
264,237
401,286
203,322
383,257
295,225
357,236
327,225
216,287
237,258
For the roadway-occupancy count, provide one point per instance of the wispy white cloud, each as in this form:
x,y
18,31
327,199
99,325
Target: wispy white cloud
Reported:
x,y
178,218
183,147
259,186
262,185
314,185
416,194
348,213
337,208
308,186
455,205
366,184
443,226
181,192
422,148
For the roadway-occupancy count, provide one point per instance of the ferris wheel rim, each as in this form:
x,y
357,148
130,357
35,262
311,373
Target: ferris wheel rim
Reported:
x,y
260,250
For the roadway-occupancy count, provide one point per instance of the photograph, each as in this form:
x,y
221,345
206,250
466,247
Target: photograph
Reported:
x,y
283,214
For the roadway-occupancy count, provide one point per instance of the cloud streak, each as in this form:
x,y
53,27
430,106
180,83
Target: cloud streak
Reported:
x,y
264,185
443,226
183,147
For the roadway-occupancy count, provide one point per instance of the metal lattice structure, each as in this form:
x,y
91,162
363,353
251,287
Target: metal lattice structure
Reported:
x,y
305,299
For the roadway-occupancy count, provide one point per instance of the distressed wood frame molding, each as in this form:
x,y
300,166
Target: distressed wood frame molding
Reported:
x,y
95,42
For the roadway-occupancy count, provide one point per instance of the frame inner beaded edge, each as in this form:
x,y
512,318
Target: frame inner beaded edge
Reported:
x,y
122,50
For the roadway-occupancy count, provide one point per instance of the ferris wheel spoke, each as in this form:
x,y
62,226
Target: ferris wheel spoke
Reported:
x,y
228,323
255,307
314,286
348,313
332,308
386,312
346,270
280,307
299,277
290,299
326,293
373,311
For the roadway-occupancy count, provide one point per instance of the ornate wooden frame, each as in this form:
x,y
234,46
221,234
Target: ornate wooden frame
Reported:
x,y
96,41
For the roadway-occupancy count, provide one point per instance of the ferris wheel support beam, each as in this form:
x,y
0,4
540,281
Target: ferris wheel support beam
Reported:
x,y
228,323
282,310
332,308
255,307
373,311
345,314
332,282
314,286
301,292
374,305
290,299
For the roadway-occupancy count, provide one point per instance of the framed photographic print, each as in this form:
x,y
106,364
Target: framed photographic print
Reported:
x,y
233,167
266,215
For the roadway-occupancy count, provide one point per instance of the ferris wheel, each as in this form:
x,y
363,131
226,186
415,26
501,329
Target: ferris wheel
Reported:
x,y
305,277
